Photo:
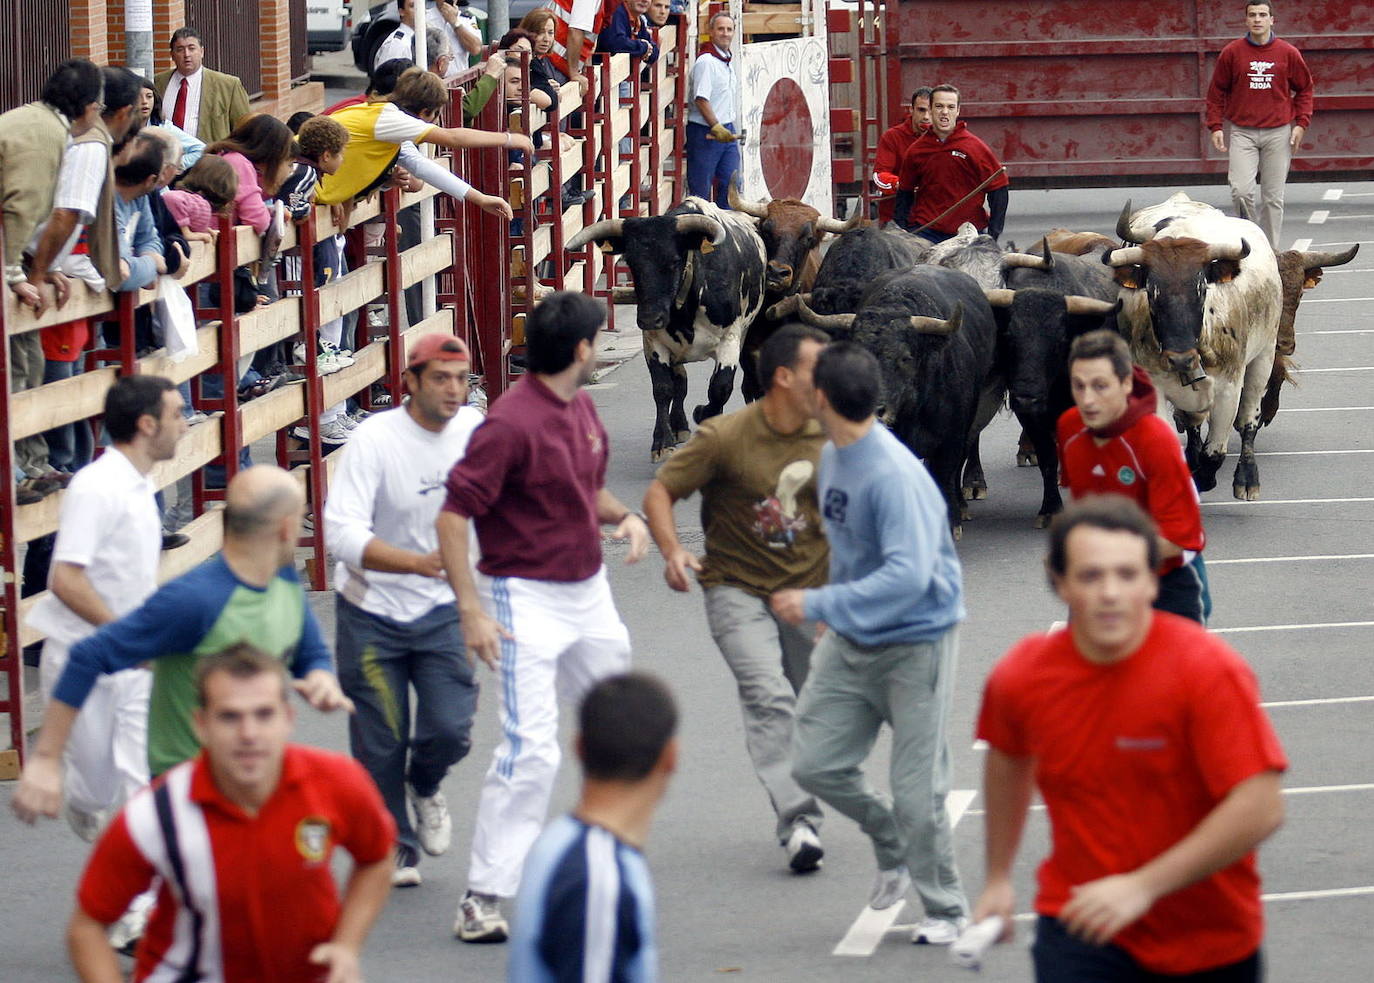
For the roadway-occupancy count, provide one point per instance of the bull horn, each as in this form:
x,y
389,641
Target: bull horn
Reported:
x,y
834,226
1312,260
1045,261
1224,250
737,203
785,308
826,322
1078,304
1001,297
939,325
606,229
1123,225
704,224
1128,256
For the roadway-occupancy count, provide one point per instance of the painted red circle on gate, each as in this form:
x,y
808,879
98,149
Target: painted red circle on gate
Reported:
x,y
787,144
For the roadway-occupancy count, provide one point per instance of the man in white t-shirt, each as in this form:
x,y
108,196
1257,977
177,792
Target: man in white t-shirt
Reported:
x,y
712,151
397,621
104,565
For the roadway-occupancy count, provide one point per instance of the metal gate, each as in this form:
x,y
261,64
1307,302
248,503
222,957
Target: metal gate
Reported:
x,y
229,31
35,37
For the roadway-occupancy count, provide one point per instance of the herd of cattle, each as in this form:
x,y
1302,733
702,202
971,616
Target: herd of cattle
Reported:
x,y
963,327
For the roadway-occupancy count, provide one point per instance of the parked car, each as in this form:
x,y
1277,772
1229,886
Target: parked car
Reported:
x,y
328,25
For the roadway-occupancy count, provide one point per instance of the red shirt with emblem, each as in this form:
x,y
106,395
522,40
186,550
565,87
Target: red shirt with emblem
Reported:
x,y
530,480
887,163
1145,464
1129,758
943,171
262,883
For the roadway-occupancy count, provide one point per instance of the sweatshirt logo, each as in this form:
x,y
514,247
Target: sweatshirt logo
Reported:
x,y
960,154
1261,75
836,505
1126,476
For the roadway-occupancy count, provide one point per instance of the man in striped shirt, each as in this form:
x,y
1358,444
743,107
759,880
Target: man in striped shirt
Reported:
x,y
586,906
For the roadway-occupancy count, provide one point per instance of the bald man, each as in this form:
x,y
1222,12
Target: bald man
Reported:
x,y
249,593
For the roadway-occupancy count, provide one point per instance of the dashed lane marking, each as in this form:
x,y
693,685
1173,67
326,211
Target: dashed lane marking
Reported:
x,y
868,929
1340,331
1356,450
1339,300
1319,702
1301,244
1307,627
1332,194
1292,559
1339,892
1344,270
1318,217
1298,790
1286,501
1348,368
1328,409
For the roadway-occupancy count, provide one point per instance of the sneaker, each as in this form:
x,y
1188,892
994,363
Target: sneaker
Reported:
x,y
24,495
174,540
196,417
359,415
334,432
889,887
480,920
325,364
433,825
406,874
42,487
348,421
804,850
86,825
125,933
938,931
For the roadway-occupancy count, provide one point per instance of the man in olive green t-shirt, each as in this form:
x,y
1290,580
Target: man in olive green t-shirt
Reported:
x,y
756,471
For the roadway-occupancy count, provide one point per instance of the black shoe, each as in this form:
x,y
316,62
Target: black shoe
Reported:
x,y
174,540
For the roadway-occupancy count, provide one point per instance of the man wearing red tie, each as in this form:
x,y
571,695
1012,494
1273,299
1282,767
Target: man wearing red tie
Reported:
x,y
204,103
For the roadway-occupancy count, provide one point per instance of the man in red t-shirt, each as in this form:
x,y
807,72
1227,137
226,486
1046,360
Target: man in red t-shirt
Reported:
x,y
892,147
1113,443
1160,772
241,838
947,175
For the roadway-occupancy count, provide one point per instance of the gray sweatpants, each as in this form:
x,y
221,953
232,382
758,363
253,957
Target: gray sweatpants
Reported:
x,y
1259,160
853,690
770,660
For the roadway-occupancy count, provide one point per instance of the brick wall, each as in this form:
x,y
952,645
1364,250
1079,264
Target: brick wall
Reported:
x,y
114,21
168,15
274,28
89,32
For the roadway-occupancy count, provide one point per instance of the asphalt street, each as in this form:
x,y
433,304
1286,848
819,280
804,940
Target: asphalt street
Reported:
x,y
1290,577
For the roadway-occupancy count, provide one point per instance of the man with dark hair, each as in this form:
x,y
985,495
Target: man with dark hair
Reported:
x,y
239,840
947,175
249,593
140,246
756,471
397,623
205,103
1263,88
892,611
1161,773
586,905
1113,442
892,147
533,482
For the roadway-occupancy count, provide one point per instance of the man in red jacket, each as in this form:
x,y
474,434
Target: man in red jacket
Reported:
x,y
1113,443
947,175
1262,87
892,146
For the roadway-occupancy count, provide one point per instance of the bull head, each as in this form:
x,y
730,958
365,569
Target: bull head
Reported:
x,y
832,324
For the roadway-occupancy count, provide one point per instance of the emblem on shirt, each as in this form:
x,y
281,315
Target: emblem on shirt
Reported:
x,y
1261,75
959,153
594,439
1126,476
312,838
431,483
778,518
836,505
1141,743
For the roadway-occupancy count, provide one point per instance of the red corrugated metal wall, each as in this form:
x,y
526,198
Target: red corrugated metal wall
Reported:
x,y
1080,88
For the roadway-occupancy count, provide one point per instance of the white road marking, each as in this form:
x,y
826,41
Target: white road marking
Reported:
x,y
1318,217
1341,331
1348,368
1289,501
1339,892
1308,627
1356,450
1301,244
1329,272
1342,242
1292,559
1328,409
1338,217
1297,790
868,929
1339,300
1332,194
1319,702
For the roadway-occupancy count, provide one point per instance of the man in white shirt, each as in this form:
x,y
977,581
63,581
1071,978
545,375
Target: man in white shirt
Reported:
x,y
396,615
105,564
205,103
712,153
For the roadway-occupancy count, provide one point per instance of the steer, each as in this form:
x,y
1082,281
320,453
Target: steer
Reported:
x,y
698,285
854,261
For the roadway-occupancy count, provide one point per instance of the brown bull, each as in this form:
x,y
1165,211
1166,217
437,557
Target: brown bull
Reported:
x,y
1072,243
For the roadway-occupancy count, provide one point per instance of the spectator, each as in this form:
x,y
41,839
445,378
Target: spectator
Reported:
x,y
176,249
520,41
268,815
205,103
892,146
33,139
628,32
658,15
205,190
401,42
541,24
712,154
576,25
150,112
459,28
260,150
140,248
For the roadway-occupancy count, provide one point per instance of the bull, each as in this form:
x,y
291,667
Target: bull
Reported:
x,y
852,262
698,284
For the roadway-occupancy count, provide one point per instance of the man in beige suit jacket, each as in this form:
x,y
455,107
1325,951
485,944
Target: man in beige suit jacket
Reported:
x,y
214,103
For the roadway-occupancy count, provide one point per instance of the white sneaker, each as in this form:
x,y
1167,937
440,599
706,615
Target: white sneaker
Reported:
x,y
889,887
480,919
405,874
804,851
348,421
938,931
334,432
433,826
86,825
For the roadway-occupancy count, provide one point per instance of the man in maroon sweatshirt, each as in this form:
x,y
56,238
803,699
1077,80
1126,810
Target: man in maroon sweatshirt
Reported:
x,y
539,609
892,147
1262,87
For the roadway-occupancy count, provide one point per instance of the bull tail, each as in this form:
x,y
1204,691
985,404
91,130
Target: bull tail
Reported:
x,y
1281,372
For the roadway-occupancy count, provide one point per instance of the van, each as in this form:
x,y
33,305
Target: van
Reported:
x,y
328,24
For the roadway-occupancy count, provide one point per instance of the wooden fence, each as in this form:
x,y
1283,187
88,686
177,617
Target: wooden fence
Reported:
x,y
487,280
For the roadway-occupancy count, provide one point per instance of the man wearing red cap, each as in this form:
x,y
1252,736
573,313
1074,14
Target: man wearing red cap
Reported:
x,y
397,621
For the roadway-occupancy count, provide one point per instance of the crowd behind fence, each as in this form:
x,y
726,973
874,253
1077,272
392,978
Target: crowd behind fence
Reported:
x,y
626,149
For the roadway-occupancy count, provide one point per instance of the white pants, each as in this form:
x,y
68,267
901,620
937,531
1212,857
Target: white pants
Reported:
x,y
1259,161
107,753
568,636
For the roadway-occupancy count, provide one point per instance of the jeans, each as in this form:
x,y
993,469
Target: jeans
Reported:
x,y
1061,958
710,162
70,446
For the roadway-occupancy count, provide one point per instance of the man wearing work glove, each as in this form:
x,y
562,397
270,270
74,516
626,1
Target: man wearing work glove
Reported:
x,y
712,154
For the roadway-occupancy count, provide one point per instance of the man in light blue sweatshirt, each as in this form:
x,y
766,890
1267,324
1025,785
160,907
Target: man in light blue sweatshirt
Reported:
x,y
892,611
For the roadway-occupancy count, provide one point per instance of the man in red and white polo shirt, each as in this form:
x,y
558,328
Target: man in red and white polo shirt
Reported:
x,y
241,838
1113,443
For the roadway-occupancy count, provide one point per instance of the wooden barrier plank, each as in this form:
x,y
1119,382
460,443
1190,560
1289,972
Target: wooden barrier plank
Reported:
x,y
268,325
270,413
541,244
779,20
569,99
368,366
426,259
572,159
620,184
350,291
620,126
620,68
